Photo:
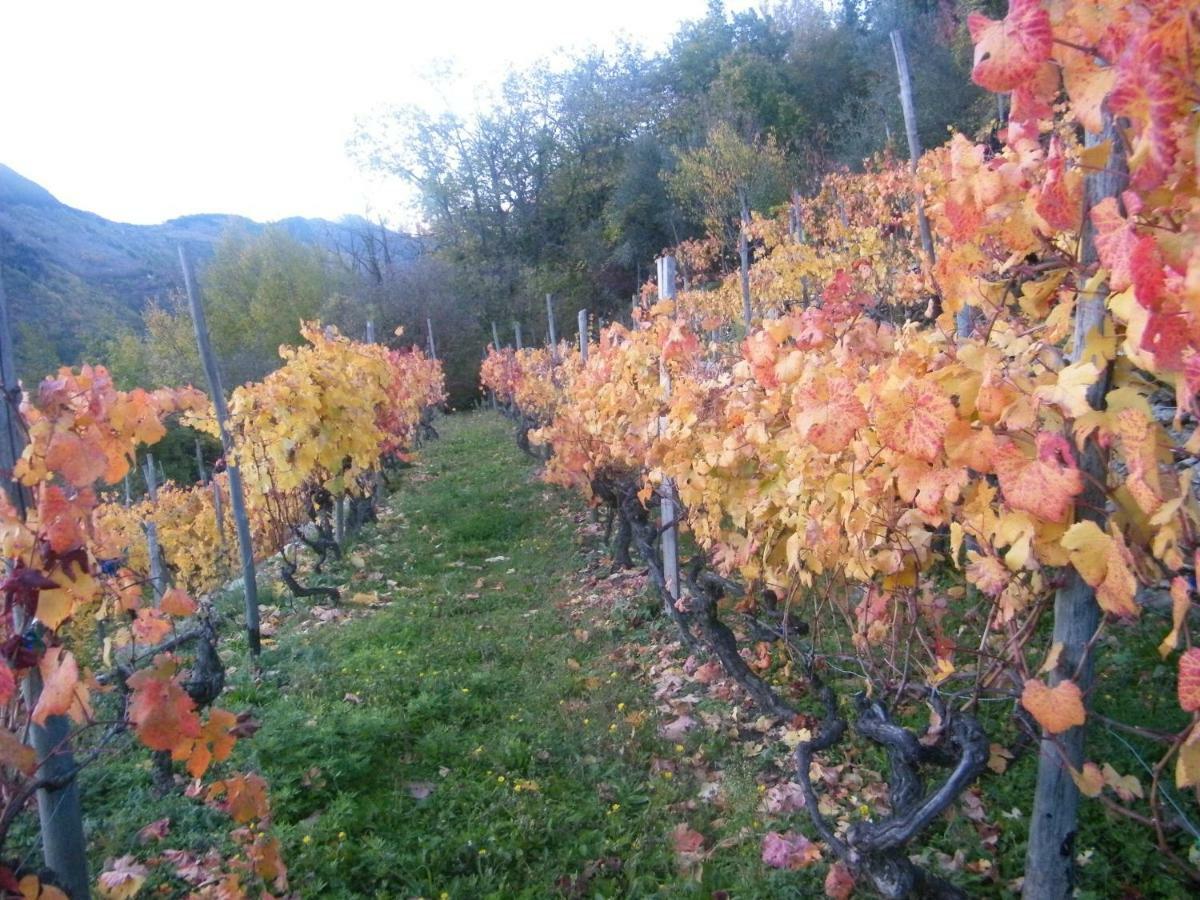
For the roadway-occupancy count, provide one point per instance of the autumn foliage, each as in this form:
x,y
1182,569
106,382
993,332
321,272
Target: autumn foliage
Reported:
x,y
329,417
850,451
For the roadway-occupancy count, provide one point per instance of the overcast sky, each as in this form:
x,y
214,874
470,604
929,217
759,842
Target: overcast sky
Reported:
x,y
142,111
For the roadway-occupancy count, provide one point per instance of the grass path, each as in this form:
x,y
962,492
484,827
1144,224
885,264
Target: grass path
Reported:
x,y
471,738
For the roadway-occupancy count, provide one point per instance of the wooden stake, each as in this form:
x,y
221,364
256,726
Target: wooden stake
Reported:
x,y
670,531
495,337
158,584
370,331
200,464
550,322
237,498
914,144
429,338
1049,872
60,811
583,334
517,333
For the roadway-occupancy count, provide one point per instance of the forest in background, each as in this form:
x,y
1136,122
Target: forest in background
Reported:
x,y
575,174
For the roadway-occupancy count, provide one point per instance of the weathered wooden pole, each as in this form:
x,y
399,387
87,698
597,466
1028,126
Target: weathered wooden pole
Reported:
x,y
237,498
1050,858
583,334
495,337
60,809
158,584
429,338
218,512
914,155
370,331
200,470
550,322
670,531
517,334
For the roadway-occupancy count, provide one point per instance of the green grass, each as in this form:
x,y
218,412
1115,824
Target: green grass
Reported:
x,y
475,691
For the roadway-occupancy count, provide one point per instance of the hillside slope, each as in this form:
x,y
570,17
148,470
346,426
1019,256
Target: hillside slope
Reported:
x,y
74,277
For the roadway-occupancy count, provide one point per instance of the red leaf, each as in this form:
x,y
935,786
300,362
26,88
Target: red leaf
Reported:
x,y
1044,485
1189,680
1010,51
839,883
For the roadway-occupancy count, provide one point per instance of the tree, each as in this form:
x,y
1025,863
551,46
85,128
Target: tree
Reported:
x,y
258,290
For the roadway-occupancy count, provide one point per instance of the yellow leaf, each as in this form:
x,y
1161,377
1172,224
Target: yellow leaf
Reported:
x,y
1179,609
1187,763
998,758
1069,392
1051,658
1090,781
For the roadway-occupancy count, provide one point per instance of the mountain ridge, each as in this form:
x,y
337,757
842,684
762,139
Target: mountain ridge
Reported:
x,y
73,278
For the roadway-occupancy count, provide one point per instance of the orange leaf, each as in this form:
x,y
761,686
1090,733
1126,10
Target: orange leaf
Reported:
x,y
176,602
245,797
826,412
1055,708
8,683
162,713
1010,51
62,691
81,463
1189,680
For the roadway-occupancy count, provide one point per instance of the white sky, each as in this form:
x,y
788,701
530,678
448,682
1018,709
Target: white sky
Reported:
x,y
142,111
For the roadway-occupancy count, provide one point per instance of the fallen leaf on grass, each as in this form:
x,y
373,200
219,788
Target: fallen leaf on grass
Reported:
x,y
686,840
352,698
788,850
122,879
839,883
419,790
675,730
155,831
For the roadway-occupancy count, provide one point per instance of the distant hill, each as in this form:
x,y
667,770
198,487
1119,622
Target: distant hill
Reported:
x,y
73,277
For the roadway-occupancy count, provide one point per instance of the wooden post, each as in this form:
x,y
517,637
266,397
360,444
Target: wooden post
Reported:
x,y
670,531
914,142
128,498
583,335
60,811
550,322
495,337
796,218
743,262
200,470
517,333
218,513
158,583
370,331
429,338
237,498
1050,858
